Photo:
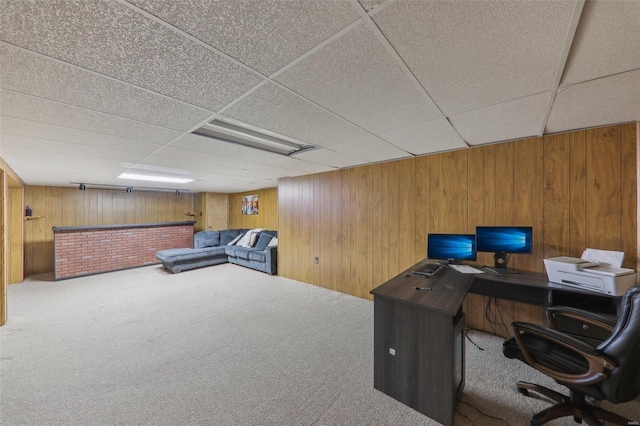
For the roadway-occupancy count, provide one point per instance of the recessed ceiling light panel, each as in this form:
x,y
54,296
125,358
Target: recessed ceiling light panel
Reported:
x,y
153,178
250,137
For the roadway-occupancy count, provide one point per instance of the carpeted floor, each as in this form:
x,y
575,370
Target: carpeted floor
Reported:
x,y
223,345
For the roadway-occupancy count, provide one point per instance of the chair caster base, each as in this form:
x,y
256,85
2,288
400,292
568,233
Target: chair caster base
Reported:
x,y
574,406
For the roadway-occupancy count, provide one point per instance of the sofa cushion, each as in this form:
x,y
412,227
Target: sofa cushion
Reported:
x,y
206,239
235,240
258,256
243,253
273,242
263,241
254,239
228,235
245,241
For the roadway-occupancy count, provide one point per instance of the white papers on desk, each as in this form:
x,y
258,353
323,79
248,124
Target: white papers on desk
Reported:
x,y
612,259
466,269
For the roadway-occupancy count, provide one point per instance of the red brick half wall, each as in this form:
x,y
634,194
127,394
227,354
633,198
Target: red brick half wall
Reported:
x,y
95,249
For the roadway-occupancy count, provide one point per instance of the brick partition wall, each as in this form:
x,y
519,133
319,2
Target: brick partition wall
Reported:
x,y
96,249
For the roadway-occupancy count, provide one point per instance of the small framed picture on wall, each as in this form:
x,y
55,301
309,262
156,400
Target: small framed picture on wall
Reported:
x,y
250,204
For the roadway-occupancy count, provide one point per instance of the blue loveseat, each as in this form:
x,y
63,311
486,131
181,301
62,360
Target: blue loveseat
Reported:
x,y
215,247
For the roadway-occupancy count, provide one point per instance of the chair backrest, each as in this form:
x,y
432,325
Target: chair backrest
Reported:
x,y
623,346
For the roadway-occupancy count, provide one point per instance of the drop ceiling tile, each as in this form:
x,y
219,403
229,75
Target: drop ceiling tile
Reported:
x,y
49,146
329,157
472,54
607,41
112,39
29,108
510,120
273,108
214,171
356,78
16,126
292,166
207,164
369,5
425,138
217,177
35,75
199,148
58,168
608,100
264,35
370,149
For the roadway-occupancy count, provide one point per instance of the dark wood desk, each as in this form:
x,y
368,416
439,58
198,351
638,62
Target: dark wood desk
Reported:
x,y
419,334
529,287
419,340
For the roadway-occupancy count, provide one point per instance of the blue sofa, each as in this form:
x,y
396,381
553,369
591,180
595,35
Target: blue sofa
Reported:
x,y
215,247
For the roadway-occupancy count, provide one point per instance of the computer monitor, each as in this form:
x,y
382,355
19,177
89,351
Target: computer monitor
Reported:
x,y
503,241
451,247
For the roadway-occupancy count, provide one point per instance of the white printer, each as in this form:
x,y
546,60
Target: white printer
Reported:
x,y
597,270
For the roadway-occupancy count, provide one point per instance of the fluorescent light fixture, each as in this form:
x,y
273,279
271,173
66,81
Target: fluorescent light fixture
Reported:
x,y
227,132
153,178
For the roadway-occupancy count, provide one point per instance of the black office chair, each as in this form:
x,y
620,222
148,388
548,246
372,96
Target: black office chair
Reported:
x,y
608,371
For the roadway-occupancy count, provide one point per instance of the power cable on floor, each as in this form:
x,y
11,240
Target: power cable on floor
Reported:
x,y
483,413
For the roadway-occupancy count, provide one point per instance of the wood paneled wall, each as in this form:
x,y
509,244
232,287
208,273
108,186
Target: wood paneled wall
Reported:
x,y
11,227
3,249
367,224
71,207
15,234
267,216
212,211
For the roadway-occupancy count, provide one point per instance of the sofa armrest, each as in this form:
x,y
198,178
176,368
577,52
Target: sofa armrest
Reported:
x,y
271,266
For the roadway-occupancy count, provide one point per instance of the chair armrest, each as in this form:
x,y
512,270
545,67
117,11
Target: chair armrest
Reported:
x,y
597,320
598,365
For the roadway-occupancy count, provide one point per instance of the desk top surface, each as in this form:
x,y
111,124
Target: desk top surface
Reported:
x,y
448,289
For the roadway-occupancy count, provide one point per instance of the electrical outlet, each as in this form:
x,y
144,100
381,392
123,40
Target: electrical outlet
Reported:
x,y
317,260
392,351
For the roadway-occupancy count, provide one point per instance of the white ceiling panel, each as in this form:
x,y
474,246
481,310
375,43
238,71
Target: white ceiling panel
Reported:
x,y
44,111
65,163
16,126
424,138
510,120
197,147
355,77
112,39
370,5
200,168
607,41
264,35
274,108
330,157
90,88
81,150
370,149
209,163
472,54
215,179
598,102
35,75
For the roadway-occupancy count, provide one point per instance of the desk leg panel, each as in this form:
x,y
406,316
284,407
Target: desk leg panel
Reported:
x,y
414,357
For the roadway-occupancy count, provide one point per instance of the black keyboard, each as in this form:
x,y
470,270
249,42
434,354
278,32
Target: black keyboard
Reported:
x,y
429,269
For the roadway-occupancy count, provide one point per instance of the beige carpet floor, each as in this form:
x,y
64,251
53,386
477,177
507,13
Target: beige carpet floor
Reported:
x,y
222,345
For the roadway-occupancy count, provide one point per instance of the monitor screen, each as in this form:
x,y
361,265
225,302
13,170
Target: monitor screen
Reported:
x,y
507,239
451,246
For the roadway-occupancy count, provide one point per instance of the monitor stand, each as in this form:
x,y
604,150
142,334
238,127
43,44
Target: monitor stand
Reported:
x,y
500,260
